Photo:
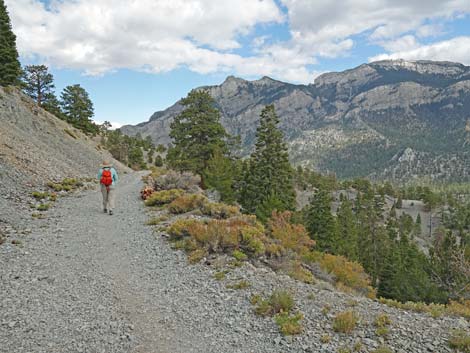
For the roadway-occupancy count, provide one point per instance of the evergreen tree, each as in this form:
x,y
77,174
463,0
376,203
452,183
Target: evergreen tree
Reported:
x,y
78,108
158,161
269,174
320,222
196,133
10,67
347,231
38,83
52,105
219,175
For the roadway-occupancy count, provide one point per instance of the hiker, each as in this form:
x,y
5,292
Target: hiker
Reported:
x,y
108,178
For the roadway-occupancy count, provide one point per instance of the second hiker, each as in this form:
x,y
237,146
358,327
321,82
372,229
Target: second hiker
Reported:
x,y
108,178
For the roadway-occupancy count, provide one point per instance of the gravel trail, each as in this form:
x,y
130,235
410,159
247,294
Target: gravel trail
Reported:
x,y
84,281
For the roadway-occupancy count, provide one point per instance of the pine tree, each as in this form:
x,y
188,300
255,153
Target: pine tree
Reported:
x,y
78,108
196,133
52,105
269,174
158,161
320,222
10,67
219,175
347,231
38,83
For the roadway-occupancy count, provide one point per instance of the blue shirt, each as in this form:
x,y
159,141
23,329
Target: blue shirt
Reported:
x,y
114,175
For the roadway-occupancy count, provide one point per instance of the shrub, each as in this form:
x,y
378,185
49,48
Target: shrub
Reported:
x,y
182,227
220,210
382,331
243,284
435,310
174,180
239,255
460,340
156,220
229,235
290,236
40,195
299,273
43,207
197,255
186,203
382,320
461,308
289,324
326,309
345,322
219,275
349,273
279,301
163,197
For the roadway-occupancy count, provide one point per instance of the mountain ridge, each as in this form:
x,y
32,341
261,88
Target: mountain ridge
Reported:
x,y
377,109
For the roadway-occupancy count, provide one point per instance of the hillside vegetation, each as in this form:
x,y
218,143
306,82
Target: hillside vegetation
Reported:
x,y
367,245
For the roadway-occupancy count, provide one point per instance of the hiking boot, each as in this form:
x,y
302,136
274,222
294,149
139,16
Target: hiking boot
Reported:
x,y
110,212
105,210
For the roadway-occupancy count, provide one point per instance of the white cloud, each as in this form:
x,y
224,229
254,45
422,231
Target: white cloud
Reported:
x,y
162,35
114,125
456,49
109,34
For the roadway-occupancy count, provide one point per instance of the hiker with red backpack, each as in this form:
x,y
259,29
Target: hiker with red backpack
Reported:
x,y
108,178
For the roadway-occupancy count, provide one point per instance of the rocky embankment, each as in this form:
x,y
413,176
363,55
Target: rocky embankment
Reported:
x,y
36,147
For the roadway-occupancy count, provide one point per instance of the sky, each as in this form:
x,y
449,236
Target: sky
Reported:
x,y
135,57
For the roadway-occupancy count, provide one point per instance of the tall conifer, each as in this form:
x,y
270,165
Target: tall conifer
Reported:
x,y
269,177
10,67
196,133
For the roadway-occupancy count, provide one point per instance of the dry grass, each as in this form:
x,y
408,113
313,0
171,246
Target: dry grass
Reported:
x,y
460,341
345,322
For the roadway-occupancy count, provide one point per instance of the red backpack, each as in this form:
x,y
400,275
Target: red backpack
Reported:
x,y
106,178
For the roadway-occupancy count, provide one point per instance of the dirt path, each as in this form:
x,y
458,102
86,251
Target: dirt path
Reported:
x,y
86,282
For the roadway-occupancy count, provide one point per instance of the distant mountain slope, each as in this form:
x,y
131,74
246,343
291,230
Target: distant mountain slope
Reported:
x,y
388,119
36,147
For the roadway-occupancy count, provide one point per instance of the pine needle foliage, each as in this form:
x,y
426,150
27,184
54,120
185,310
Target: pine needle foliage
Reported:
x,y
10,67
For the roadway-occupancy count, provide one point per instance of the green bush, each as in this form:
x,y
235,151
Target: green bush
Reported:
x,y
289,324
279,301
43,207
160,198
239,255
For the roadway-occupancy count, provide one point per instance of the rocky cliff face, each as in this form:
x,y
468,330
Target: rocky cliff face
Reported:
x,y
366,121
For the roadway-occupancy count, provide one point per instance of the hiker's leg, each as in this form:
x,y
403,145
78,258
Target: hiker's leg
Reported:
x,y
111,198
104,192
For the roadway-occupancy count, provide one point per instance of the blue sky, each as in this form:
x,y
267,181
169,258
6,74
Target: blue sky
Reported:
x,y
135,58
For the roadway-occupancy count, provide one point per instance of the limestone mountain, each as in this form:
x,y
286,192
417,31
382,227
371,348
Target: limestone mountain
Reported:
x,y
387,119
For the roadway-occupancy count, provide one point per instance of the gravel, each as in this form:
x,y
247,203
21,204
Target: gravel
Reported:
x,y
84,281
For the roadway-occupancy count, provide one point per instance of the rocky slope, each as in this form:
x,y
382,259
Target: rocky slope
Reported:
x,y
389,119
36,147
